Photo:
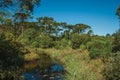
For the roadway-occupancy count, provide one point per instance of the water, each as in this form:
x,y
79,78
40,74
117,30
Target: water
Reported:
x,y
53,72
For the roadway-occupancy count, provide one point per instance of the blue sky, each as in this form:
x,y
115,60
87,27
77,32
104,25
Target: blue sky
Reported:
x,y
99,14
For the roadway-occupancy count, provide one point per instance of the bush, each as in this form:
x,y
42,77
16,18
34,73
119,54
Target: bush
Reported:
x,y
2,35
61,44
76,41
11,60
35,44
112,68
10,55
99,48
46,41
94,53
9,35
116,42
83,47
28,37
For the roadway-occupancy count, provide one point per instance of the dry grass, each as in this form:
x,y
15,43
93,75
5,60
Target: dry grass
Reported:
x,y
76,62
31,56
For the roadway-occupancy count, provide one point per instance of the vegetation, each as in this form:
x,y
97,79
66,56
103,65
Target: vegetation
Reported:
x,y
112,70
84,56
11,60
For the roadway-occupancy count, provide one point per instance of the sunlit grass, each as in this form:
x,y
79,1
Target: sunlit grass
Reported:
x,y
77,64
30,56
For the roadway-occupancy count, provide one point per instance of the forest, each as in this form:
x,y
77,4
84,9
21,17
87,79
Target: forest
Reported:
x,y
52,50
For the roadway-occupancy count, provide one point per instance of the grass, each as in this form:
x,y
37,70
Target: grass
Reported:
x,y
77,64
31,56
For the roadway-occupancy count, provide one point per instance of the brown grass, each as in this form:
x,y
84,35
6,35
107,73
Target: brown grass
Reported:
x,y
76,62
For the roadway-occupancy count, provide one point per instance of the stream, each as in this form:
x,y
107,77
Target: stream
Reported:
x,y
53,72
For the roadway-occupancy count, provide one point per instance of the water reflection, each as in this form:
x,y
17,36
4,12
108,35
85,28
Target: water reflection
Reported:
x,y
54,72
43,69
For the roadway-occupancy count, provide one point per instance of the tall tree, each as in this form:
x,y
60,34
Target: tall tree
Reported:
x,y
5,3
116,35
116,41
20,9
3,17
118,14
68,31
20,18
49,25
22,5
80,28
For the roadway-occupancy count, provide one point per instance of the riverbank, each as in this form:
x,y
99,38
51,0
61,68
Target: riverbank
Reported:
x,y
77,63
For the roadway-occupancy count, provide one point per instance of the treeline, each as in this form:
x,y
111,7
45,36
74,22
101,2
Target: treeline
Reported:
x,y
17,32
48,33
45,33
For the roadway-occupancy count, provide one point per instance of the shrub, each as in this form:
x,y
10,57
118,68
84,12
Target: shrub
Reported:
x,y
99,48
61,44
35,44
9,35
76,41
94,53
10,55
11,60
116,42
112,68
2,35
28,37
83,47
46,41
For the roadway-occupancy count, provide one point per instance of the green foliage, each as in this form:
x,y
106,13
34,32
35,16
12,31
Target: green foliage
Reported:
x,y
23,5
10,55
45,41
9,35
83,47
10,75
112,68
49,25
99,48
95,53
11,60
30,35
80,28
2,35
118,12
47,33
30,32
8,22
61,44
35,44
25,41
116,42
77,64
85,38
76,41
